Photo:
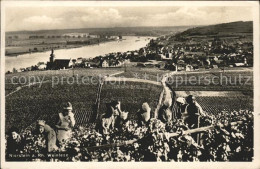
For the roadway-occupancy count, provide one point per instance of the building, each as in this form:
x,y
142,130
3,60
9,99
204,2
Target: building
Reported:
x,y
105,63
181,68
61,64
91,64
42,67
87,64
56,64
79,61
23,69
15,70
189,68
93,36
171,66
239,64
166,56
76,35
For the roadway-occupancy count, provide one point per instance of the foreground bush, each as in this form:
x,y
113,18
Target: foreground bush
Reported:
x,y
230,140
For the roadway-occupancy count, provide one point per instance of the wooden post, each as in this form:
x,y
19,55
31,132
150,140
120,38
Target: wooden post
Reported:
x,y
97,103
198,135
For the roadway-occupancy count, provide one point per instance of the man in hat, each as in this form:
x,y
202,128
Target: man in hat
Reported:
x,y
181,106
49,133
193,111
65,123
107,120
144,114
119,115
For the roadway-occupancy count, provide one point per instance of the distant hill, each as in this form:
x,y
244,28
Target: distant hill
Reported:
x,y
221,29
138,31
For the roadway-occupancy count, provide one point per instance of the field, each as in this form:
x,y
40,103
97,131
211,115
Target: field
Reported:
x,y
32,100
33,103
45,102
22,46
232,79
12,80
131,94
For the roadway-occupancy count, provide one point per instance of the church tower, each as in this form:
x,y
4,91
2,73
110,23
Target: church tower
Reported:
x,y
52,56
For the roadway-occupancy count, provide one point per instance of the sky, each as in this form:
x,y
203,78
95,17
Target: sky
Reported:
x,y
45,18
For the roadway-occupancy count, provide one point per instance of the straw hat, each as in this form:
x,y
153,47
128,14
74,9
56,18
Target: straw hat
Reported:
x,y
41,123
124,115
181,100
67,106
146,107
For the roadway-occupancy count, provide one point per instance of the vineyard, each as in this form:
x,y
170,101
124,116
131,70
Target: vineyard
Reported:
x,y
133,94
12,80
45,102
232,79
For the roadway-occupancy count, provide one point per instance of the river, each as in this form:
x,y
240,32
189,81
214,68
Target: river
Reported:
x,y
26,60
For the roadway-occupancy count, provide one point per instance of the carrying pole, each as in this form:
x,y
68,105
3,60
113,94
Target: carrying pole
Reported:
x,y
97,103
191,131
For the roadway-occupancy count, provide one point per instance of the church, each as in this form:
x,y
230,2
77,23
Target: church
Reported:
x,y
57,64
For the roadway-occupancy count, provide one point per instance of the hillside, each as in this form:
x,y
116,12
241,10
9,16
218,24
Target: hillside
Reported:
x,y
138,31
232,28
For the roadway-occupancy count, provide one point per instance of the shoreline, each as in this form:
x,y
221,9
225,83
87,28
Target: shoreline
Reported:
x,y
56,48
67,46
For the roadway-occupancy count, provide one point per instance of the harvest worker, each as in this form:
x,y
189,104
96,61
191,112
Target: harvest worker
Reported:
x,y
144,114
108,119
14,141
193,111
114,117
48,133
121,120
181,105
65,123
168,110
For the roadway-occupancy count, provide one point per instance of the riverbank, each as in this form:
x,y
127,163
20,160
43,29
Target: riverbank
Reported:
x,y
14,51
77,51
